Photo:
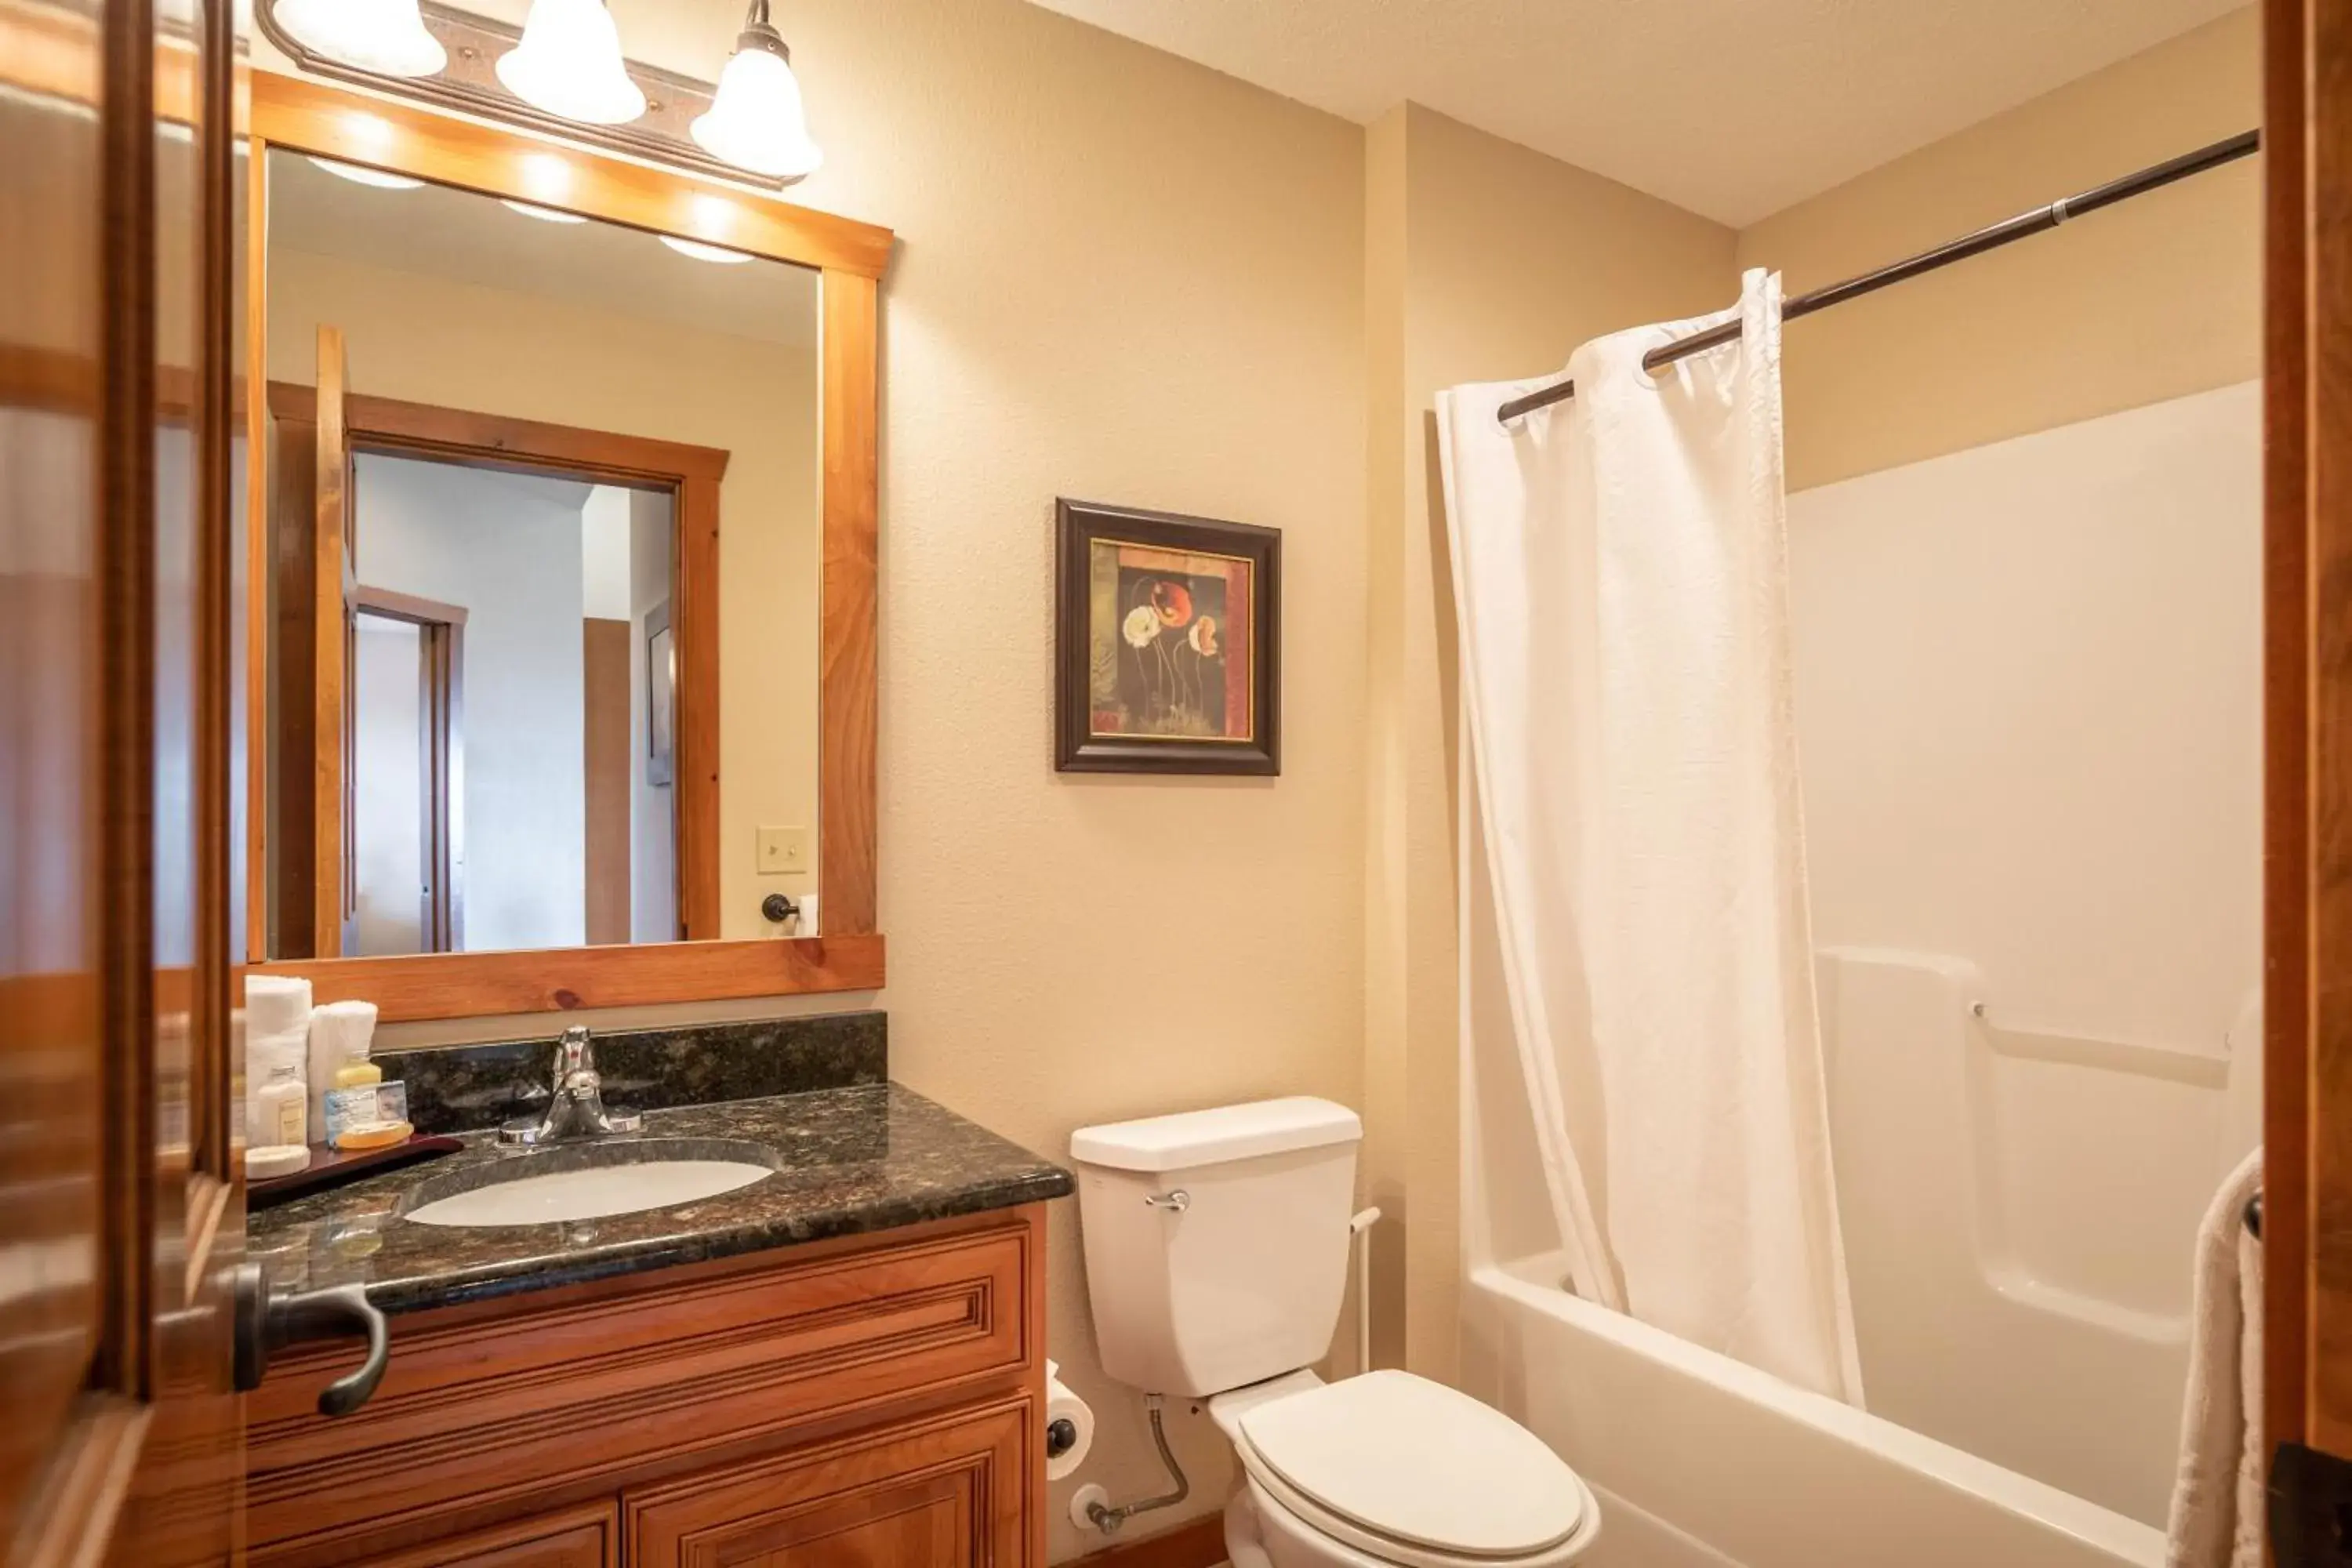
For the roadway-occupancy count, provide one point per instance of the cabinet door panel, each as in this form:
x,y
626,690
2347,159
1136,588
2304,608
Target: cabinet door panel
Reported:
x,y
937,1494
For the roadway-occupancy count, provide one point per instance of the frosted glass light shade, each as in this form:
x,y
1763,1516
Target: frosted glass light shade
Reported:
x,y
702,252
756,121
544,214
569,63
359,175
386,36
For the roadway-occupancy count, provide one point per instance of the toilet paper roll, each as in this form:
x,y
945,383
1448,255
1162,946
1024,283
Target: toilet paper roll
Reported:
x,y
275,1003
1066,1447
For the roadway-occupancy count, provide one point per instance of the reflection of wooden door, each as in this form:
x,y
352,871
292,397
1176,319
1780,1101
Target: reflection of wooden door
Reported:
x,y
120,1217
606,648
944,1494
440,743
335,846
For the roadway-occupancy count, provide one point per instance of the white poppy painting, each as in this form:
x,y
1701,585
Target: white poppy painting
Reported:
x,y
1175,624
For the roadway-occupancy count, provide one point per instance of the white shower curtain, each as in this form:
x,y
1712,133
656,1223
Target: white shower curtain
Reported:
x,y
1620,567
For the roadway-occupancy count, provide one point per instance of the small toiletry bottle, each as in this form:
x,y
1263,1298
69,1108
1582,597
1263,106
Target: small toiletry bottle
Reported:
x,y
280,1108
352,1074
274,1075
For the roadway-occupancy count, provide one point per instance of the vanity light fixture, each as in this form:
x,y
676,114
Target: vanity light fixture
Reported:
x,y
359,175
562,74
702,252
544,214
756,121
569,63
386,36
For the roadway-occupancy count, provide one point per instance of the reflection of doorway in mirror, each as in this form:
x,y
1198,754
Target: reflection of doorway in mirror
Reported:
x,y
387,787
404,794
542,825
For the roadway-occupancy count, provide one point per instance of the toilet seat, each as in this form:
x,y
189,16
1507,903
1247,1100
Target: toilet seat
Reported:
x,y
1412,1472
1273,1521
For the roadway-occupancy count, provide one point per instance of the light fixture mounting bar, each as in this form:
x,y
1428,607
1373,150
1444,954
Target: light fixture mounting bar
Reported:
x,y
470,86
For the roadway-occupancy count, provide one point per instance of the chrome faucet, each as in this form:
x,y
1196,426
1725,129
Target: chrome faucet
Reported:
x,y
577,1110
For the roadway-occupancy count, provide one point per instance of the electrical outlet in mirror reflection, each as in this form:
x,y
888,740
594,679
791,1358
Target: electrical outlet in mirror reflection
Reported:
x,y
783,850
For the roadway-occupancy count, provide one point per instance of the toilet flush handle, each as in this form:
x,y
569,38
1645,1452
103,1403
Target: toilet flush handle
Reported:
x,y
1176,1201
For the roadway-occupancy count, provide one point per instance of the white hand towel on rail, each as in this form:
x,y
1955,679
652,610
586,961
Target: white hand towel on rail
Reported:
x,y
2217,1494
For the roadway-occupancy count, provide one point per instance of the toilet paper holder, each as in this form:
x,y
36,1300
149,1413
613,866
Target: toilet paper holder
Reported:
x,y
1069,1426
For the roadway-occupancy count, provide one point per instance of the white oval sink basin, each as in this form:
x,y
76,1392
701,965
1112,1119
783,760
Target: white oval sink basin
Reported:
x,y
594,1193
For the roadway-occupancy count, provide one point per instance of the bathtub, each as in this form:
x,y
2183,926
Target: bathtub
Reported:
x,y
1701,1462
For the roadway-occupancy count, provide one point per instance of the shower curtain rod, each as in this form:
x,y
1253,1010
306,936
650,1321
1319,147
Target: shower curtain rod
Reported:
x,y
1960,250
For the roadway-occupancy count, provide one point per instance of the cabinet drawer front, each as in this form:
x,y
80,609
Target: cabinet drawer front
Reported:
x,y
577,1538
939,1494
488,1409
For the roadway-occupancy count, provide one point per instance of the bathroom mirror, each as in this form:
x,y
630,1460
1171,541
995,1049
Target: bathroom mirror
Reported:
x,y
549,421
562,522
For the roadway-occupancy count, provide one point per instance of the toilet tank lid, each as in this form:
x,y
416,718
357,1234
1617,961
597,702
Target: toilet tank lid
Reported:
x,y
1212,1137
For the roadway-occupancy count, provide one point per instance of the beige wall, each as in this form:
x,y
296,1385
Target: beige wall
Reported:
x,y
1484,262
2151,300
435,339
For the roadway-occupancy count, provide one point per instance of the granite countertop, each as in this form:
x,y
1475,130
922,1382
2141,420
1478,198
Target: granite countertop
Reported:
x,y
849,1161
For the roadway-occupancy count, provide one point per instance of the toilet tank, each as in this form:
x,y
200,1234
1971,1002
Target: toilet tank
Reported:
x,y
1241,1278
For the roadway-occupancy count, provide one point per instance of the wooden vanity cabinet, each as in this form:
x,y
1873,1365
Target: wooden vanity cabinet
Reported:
x,y
871,1399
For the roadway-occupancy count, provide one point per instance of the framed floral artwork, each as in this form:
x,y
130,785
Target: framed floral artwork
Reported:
x,y
1167,643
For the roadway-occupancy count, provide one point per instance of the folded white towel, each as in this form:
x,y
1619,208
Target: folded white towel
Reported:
x,y
274,1003
2217,1493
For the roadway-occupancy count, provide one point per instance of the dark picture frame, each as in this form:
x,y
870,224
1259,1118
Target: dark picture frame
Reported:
x,y
661,698
1167,643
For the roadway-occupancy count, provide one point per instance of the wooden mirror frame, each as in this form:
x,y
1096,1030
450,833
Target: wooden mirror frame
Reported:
x,y
305,116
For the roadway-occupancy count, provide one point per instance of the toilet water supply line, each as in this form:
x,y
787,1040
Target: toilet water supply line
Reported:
x,y
1108,1519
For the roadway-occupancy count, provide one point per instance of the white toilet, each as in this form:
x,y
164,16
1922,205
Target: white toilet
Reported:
x,y
1216,1248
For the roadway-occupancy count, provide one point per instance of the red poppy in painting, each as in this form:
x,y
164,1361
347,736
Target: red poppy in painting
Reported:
x,y
1173,600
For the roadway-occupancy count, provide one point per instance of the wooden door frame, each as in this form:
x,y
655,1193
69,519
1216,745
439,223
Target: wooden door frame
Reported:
x,y
691,476
303,115
2288,676
440,746
2307,418
140,1466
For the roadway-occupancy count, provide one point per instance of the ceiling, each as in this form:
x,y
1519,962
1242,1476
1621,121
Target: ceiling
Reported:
x,y
1732,109
442,232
